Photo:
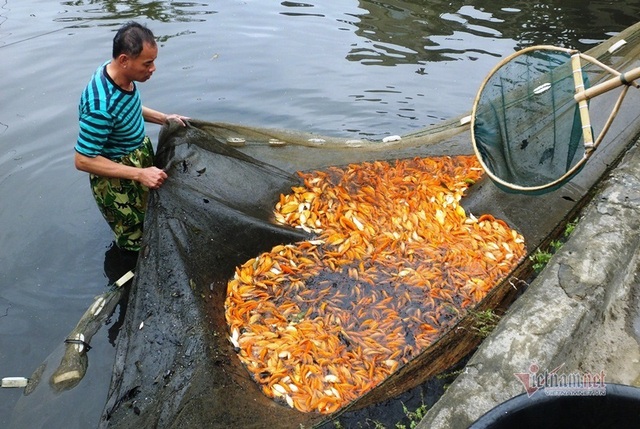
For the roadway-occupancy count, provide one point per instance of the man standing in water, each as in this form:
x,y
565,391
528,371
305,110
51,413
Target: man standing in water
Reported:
x,y
112,145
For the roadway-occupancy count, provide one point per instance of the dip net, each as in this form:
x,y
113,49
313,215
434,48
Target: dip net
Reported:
x,y
531,125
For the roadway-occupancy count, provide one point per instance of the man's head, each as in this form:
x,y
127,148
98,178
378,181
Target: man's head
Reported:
x,y
131,38
135,50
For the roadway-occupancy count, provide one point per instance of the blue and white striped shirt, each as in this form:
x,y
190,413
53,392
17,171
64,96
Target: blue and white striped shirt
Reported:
x,y
111,122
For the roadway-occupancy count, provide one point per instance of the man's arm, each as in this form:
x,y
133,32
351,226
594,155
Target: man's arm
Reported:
x,y
151,177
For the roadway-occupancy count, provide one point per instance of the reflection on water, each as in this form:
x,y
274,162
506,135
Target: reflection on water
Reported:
x,y
406,32
399,32
162,11
298,9
363,68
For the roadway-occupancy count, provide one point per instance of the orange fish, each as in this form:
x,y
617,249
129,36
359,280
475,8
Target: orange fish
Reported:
x,y
396,262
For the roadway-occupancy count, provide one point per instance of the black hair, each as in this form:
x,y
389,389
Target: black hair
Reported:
x,y
130,39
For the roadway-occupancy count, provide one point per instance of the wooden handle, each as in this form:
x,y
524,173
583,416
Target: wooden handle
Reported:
x,y
582,104
624,79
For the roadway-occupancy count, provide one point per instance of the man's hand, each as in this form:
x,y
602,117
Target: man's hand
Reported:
x,y
182,120
160,118
152,177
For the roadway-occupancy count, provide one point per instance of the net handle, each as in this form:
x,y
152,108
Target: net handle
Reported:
x,y
606,86
605,67
587,133
582,96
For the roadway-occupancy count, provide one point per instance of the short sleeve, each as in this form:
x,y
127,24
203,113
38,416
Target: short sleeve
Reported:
x,y
95,128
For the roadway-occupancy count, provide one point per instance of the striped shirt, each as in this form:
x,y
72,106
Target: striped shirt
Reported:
x,y
111,122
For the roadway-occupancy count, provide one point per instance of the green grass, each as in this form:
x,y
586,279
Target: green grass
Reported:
x,y
411,420
484,322
414,416
540,258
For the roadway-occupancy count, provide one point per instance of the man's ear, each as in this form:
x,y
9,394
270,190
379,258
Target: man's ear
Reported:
x,y
123,60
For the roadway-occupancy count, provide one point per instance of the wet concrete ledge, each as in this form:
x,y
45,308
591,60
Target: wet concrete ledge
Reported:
x,y
581,312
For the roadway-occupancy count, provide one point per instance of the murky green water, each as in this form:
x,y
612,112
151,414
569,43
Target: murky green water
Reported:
x,y
364,69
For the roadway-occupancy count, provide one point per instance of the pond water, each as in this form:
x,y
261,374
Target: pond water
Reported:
x,y
365,69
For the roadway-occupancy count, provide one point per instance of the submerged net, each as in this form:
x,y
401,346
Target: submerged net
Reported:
x,y
527,129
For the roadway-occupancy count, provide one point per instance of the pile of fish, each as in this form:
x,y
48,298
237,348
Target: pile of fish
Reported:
x,y
395,261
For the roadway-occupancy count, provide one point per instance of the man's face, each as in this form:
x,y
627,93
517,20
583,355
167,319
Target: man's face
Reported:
x,y
141,68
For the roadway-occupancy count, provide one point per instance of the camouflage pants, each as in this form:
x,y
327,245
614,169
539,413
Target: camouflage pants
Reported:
x,y
123,202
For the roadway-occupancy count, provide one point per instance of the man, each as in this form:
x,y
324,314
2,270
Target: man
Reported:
x,y
112,145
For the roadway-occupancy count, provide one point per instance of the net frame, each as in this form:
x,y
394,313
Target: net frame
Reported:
x,y
582,95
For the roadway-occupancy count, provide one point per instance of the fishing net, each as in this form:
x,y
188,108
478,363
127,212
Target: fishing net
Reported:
x,y
316,285
286,277
529,131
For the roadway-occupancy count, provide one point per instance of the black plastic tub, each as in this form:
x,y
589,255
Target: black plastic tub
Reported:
x,y
618,408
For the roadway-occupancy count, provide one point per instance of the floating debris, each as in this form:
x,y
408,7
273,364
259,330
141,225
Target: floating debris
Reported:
x,y
276,143
236,141
389,139
396,262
